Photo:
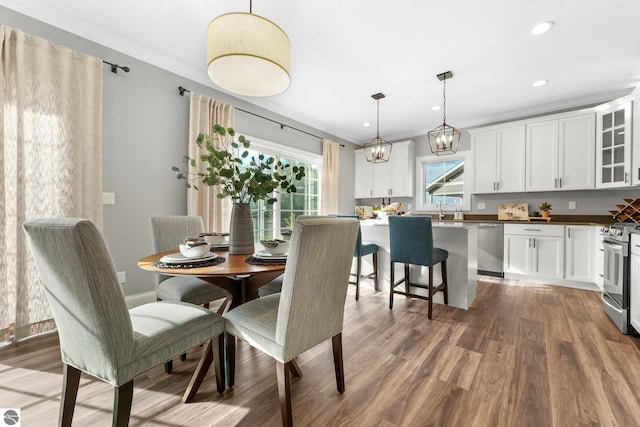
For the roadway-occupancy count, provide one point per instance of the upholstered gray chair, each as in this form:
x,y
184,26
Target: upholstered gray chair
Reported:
x,y
168,232
310,308
411,242
98,335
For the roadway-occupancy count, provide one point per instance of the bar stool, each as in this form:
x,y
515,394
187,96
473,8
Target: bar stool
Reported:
x,y
411,241
363,249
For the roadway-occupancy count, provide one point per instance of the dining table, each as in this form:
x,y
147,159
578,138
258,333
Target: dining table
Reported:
x,y
235,275
238,277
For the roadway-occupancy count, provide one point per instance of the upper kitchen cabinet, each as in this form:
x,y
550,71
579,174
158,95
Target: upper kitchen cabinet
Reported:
x,y
561,153
613,144
392,179
499,159
635,138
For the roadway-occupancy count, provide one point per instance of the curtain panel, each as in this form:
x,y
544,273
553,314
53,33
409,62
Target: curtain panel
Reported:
x,y
330,177
205,112
50,161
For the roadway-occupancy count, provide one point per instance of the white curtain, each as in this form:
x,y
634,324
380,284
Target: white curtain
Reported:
x,y
50,161
330,177
205,112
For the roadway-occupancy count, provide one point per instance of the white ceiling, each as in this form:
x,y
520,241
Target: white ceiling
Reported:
x,y
343,51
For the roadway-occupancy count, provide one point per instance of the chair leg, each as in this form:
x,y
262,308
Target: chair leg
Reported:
x,y
183,357
284,392
223,306
336,342
168,366
295,368
375,271
391,285
231,358
71,381
123,396
406,279
430,292
445,282
358,275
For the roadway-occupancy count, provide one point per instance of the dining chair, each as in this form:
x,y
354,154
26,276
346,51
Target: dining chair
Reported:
x,y
363,248
308,311
98,334
411,243
168,232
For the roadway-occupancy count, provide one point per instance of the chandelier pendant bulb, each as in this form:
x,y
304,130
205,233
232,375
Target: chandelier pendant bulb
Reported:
x,y
377,150
444,139
248,55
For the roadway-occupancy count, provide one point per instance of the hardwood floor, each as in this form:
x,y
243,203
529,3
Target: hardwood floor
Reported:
x,y
523,355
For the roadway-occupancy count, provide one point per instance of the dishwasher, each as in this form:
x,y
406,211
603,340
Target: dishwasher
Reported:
x,y
491,249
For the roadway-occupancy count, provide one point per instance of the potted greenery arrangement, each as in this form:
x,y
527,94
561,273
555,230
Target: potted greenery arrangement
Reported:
x,y
545,208
241,177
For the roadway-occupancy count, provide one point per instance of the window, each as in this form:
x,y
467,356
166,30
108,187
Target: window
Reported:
x,y
270,221
441,182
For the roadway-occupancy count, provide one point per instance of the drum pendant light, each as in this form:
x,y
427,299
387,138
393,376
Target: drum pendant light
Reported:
x,y
248,54
377,150
444,139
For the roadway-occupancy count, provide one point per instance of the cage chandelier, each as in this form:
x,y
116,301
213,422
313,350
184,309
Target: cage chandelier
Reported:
x,y
377,150
444,139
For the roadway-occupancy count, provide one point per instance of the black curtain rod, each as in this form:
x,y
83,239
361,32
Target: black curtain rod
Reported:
x,y
182,90
114,67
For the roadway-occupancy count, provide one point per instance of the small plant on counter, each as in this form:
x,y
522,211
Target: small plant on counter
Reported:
x,y
545,207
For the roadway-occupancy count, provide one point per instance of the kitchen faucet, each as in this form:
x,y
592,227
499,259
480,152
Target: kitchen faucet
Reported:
x,y
440,214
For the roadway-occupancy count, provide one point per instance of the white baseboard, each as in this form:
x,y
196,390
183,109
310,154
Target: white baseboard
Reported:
x,y
139,299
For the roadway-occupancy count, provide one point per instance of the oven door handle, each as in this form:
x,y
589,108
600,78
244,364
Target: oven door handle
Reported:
x,y
606,299
613,246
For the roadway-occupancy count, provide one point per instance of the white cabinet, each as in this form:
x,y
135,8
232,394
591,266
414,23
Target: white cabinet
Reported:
x,y
635,138
580,252
634,302
534,250
613,144
391,179
499,159
560,153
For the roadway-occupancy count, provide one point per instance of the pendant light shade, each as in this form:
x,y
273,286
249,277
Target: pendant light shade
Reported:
x,y
248,55
444,139
377,150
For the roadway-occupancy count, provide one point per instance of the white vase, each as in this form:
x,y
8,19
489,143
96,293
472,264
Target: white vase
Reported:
x,y
241,230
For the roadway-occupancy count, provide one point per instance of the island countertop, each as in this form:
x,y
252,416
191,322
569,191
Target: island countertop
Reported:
x,y
460,239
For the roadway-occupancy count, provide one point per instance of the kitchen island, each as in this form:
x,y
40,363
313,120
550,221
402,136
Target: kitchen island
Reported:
x,y
459,238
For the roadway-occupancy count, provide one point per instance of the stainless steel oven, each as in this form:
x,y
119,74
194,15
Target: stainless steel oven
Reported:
x,y
615,293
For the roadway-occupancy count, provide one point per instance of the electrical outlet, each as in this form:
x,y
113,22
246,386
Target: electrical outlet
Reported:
x,y
122,276
108,198
409,206
572,205
481,206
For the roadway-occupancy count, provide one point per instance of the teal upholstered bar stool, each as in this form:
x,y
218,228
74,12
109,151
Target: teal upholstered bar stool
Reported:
x,y
363,249
411,241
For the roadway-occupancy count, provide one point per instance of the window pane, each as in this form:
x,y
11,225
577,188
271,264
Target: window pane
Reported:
x,y
444,182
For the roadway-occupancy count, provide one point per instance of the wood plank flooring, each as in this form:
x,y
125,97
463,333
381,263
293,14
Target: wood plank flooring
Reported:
x,y
523,355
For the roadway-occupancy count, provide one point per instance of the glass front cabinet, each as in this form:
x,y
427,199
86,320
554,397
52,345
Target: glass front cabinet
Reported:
x,y
613,142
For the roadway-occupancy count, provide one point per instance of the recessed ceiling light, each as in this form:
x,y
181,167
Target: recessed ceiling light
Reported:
x,y
436,107
539,83
542,27
366,124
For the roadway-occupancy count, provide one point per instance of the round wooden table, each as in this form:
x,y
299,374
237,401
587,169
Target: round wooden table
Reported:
x,y
241,279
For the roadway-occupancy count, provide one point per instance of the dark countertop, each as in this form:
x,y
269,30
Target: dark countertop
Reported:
x,y
555,219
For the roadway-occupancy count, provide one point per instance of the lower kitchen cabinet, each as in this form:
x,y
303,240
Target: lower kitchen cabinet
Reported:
x,y
580,252
534,250
634,303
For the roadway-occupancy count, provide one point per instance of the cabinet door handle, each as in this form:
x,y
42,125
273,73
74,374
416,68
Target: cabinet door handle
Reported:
x,y
534,243
626,177
494,186
555,183
560,182
498,186
568,233
532,229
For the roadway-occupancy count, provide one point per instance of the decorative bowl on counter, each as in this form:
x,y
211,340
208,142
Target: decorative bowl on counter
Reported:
x,y
213,239
276,246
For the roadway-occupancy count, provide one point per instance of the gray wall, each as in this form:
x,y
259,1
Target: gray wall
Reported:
x,y
145,128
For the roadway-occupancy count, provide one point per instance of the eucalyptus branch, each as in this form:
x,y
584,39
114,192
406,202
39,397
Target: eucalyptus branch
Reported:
x,y
228,165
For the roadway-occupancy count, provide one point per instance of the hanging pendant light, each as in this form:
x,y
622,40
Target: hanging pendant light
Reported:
x,y
444,139
377,150
248,54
